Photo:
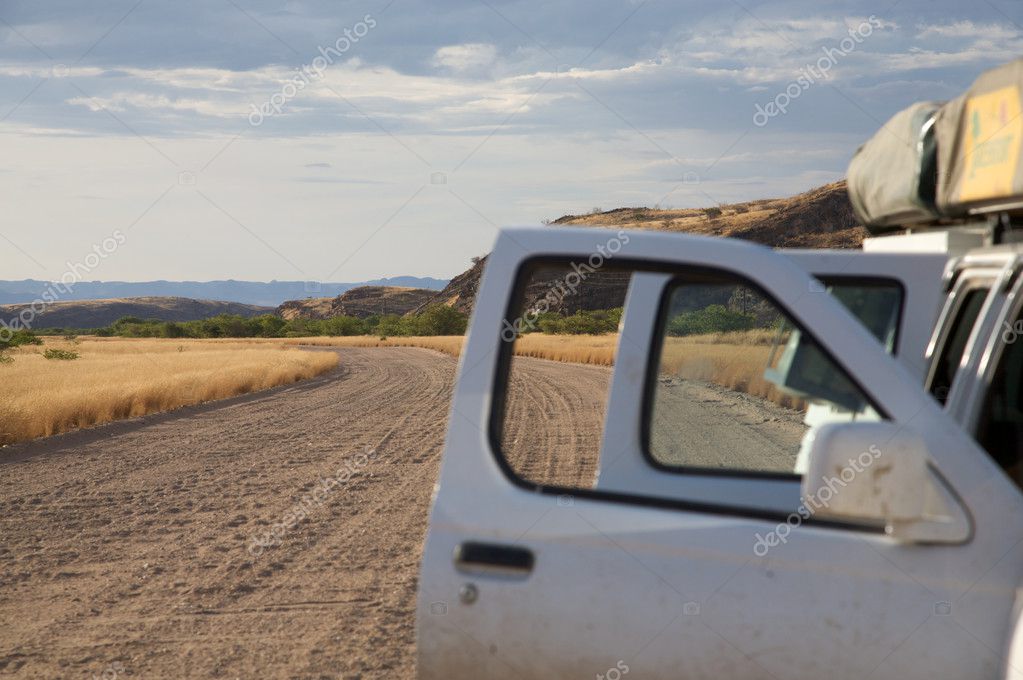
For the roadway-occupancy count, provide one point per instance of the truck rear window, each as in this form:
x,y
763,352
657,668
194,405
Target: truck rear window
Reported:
x,y
876,303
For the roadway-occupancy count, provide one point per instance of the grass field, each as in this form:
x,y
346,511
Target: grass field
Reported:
x,y
735,366
448,344
119,378
582,349
733,360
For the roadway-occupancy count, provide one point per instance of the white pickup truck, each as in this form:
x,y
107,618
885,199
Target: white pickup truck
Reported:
x,y
876,533
659,568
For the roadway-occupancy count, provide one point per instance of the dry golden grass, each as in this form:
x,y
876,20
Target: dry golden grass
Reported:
x,y
118,378
579,349
737,366
582,349
448,344
734,360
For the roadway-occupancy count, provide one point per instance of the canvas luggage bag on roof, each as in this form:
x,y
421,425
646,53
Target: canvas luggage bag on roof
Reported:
x,y
979,136
892,176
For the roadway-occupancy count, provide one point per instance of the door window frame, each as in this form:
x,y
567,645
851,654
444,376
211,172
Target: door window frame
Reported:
x,y
1005,306
502,370
994,353
949,321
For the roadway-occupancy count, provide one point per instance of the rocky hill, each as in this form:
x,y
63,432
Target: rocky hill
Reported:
x,y
306,308
84,314
358,302
819,218
460,292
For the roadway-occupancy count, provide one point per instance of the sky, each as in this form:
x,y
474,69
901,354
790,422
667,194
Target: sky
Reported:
x,y
345,141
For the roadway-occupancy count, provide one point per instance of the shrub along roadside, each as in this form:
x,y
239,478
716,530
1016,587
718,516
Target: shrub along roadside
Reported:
x,y
435,320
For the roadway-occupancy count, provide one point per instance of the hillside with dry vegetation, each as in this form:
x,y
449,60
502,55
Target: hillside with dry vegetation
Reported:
x,y
99,313
358,302
306,308
819,218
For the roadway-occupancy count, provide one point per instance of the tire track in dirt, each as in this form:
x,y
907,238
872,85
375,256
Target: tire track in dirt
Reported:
x,y
128,544
564,449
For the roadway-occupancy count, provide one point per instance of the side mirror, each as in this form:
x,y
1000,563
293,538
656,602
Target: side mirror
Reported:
x,y
881,472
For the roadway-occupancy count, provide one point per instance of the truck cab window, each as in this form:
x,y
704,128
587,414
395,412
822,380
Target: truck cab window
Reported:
x,y
877,304
955,343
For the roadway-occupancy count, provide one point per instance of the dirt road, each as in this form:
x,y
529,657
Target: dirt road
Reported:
x,y
169,546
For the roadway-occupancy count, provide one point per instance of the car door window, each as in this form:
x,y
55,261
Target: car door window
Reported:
x,y
1000,430
735,380
956,337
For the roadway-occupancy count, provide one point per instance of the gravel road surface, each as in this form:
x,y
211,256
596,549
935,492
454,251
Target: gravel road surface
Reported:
x,y
171,546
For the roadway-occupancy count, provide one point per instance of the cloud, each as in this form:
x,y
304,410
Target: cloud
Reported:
x,y
697,73
123,101
543,110
967,29
467,57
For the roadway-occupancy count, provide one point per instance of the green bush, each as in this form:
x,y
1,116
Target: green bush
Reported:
x,y
711,319
583,322
439,320
14,339
60,354
17,339
436,320
269,326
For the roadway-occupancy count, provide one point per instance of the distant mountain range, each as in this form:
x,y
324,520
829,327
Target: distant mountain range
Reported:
x,y
269,294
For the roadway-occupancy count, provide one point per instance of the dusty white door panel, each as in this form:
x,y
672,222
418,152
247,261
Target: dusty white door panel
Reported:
x,y
670,587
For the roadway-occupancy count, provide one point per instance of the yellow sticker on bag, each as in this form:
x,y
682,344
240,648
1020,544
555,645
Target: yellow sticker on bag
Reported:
x,y
994,131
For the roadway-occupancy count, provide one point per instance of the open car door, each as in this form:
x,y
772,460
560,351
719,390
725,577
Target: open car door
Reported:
x,y
710,528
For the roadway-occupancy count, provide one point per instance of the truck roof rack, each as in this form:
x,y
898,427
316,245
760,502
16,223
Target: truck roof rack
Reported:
x,y
952,165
